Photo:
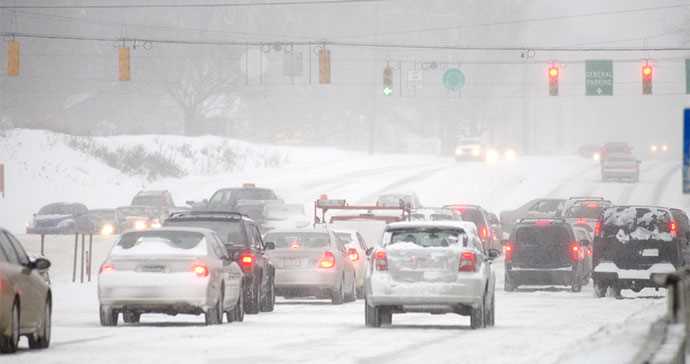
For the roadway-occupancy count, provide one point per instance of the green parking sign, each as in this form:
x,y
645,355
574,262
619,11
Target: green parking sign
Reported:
x,y
599,78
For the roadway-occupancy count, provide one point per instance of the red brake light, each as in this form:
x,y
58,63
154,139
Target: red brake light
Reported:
x,y
327,260
508,251
542,222
247,262
353,254
200,269
673,228
106,268
597,229
484,233
468,262
581,221
381,260
575,251
592,205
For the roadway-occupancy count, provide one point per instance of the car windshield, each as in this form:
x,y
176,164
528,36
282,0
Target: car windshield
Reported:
x,y
424,237
56,209
175,239
548,206
230,232
305,240
637,223
148,200
586,209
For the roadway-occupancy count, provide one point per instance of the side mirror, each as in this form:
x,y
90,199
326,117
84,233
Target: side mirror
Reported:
x,y
40,264
584,242
493,253
269,245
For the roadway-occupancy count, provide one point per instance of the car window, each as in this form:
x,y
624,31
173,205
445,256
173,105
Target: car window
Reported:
x,y
8,251
362,243
3,255
257,242
18,248
425,237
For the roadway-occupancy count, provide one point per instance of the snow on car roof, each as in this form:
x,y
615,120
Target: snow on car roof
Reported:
x,y
468,227
180,228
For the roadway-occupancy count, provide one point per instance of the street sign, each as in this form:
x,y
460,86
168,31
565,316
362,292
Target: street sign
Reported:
x,y
453,79
686,151
599,78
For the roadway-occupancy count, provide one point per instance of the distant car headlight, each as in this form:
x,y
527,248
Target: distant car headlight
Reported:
x,y
139,225
653,148
510,154
664,148
459,151
156,224
492,155
596,156
107,229
476,152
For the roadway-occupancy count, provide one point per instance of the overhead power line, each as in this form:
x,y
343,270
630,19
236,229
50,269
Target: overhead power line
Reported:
x,y
191,5
409,46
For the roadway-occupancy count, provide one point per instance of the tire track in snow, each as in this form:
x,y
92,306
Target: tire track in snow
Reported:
x,y
354,175
417,177
663,183
394,356
558,190
628,191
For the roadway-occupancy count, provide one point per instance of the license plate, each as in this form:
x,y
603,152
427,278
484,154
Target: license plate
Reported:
x,y
292,262
650,252
153,268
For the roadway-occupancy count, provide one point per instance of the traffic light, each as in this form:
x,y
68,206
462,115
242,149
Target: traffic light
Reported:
x,y
647,77
123,64
554,73
13,58
388,81
324,66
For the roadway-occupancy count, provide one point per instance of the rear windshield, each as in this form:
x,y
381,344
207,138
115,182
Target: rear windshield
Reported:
x,y
472,215
56,209
305,240
542,235
230,197
230,232
586,209
424,237
176,239
148,200
637,223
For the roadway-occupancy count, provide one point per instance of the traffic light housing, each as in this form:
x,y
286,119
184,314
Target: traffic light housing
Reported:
x,y
554,73
388,81
647,78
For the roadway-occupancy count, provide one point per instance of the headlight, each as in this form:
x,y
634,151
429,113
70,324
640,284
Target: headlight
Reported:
x,y
476,152
653,148
510,154
664,148
107,229
596,156
459,151
139,225
492,156
156,224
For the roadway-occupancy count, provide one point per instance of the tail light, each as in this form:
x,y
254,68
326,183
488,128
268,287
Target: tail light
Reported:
x,y
673,228
508,251
156,224
581,221
200,269
597,229
484,233
327,260
468,262
381,260
140,225
353,254
247,262
575,251
106,268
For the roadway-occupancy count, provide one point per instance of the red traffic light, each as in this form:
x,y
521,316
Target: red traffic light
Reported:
x,y
647,71
553,71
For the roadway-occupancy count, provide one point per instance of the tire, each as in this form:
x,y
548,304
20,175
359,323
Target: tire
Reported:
x,y
108,316
385,315
491,312
8,344
576,285
252,298
371,316
269,300
130,317
360,293
237,312
600,288
214,315
338,295
616,292
42,340
508,284
351,296
477,317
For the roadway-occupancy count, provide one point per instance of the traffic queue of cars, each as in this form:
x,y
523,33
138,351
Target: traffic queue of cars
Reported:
x,y
222,264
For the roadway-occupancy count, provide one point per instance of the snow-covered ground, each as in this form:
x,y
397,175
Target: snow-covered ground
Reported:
x,y
546,325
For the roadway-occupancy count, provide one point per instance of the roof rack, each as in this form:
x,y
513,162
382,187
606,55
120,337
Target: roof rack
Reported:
x,y
586,198
200,213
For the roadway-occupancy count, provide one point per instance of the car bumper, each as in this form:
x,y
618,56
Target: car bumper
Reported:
x,y
119,289
522,276
294,279
382,290
609,271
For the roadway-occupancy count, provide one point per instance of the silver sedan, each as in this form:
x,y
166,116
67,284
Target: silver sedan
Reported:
x,y
312,263
171,271
430,266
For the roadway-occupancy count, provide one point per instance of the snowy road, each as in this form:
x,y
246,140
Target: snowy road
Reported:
x,y
538,325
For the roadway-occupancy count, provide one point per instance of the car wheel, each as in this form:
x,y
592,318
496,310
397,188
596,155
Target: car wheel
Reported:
x,y
600,288
351,295
8,344
491,312
576,285
508,284
131,317
42,340
252,298
338,294
237,312
269,300
477,319
616,292
371,315
214,315
360,292
385,316
108,316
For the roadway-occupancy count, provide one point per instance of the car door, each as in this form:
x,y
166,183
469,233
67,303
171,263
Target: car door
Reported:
x,y
229,275
27,282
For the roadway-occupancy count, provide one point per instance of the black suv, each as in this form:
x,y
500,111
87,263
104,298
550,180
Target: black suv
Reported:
x,y
243,242
248,200
546,251
632,242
